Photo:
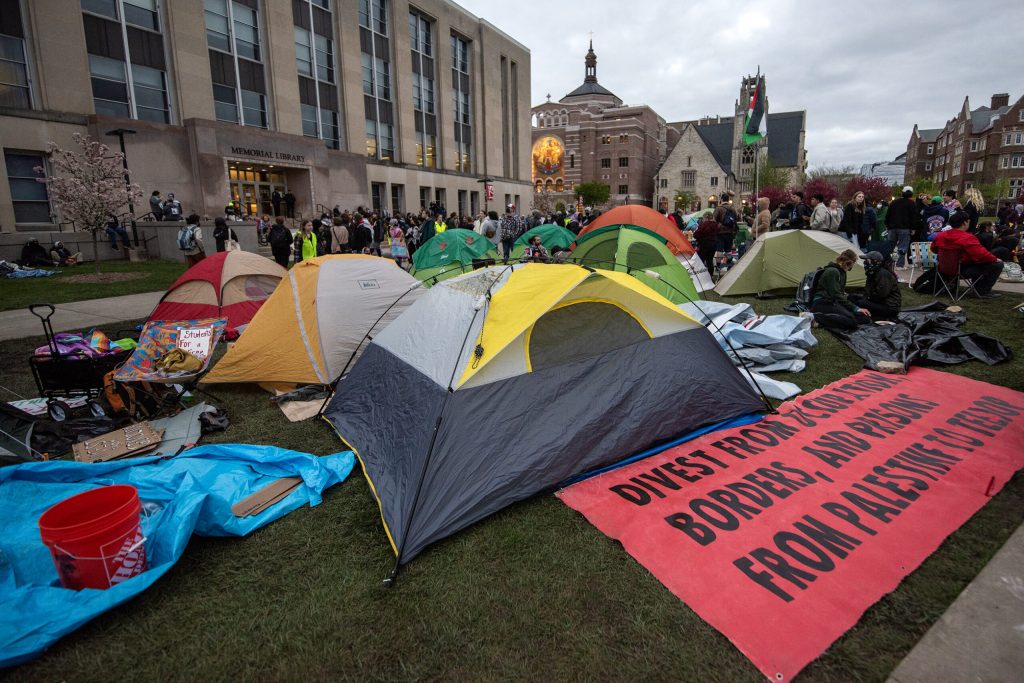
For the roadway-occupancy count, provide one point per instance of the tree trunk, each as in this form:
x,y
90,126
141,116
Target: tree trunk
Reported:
x,y
96,249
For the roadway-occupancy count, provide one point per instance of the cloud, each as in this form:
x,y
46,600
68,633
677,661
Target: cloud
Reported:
x,y
865,72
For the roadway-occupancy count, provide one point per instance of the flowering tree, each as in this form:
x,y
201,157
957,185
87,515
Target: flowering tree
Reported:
x,y
820,186
88,185
776,196
874,189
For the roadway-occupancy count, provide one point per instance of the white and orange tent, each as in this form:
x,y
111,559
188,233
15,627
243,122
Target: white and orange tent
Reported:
x,y
317,321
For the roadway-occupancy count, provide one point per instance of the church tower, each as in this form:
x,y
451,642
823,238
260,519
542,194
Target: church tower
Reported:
x,y
591,65
743,156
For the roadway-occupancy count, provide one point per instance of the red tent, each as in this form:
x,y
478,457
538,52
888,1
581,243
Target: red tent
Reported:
x,y
229,284
647,218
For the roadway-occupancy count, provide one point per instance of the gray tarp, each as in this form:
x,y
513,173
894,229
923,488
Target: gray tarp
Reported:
x,y
765,343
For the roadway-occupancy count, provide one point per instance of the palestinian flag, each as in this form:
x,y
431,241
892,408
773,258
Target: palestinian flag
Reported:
x,y
757,120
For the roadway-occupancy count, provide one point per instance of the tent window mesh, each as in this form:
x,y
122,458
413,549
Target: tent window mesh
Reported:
x,y
602,254
581,330
642,256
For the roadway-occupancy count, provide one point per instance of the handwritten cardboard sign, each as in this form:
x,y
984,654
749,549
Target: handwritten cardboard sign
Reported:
x,y
195,340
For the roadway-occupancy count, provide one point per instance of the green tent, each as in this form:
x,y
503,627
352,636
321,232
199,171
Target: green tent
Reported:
x,y
449,254
551,236
779,260
635,250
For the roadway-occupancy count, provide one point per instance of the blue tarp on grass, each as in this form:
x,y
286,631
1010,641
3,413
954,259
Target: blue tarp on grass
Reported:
x,y
191,493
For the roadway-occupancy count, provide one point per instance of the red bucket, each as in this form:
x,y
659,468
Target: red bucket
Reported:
x,y
96,537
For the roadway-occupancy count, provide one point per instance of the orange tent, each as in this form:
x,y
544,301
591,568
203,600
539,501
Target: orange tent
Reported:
x,y
646,218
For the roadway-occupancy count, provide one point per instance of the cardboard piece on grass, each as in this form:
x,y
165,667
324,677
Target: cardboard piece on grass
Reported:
x,y
265,497
120,443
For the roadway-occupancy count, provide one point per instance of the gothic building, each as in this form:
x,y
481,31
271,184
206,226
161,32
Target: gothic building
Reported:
x,y
707,156
591,135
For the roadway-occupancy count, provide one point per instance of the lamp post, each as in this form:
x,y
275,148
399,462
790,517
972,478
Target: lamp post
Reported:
x,y
120,133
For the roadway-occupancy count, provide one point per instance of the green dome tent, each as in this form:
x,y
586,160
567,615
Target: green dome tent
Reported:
x,y
551,236
636,250
450,253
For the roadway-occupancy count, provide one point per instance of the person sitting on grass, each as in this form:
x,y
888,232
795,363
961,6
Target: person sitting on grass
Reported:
x,y
62,256
977,263
882,295
831,306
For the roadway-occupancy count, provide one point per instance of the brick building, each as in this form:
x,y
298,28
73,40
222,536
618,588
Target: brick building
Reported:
x,y
376,102
708,156
591,135
976,148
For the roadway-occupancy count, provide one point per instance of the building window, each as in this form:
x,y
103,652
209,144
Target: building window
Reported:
x,y
218,35
623,189
376,196
462,115
606,163
623,138
927,165
1007,139
931,149
314,61
606,139
572,161
714,181
421,34
1017,161
623,162
30,199
303,52
424,197
1016,187
689,178
664,182
14,85
142,13
748,155
689,162
376,70
239,89
974,145
970,167
397,198
968,185
421,40
109,86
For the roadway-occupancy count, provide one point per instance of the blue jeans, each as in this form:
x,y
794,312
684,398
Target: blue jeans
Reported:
x,y
900,240
113,232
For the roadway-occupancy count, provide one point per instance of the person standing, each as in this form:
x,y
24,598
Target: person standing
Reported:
x,y
289,203
512,226
339,235
820,219
950,202
706,236
156,206
830,305
798,212
305,242
275,202
852,221
399,249
222,233
431,227
262,228
882,297
763,219
322,228
977,263
190,240
901,220
379,232
280,239
974,204
491,229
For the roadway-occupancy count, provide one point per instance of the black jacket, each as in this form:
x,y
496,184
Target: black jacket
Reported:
x,y
853,218
280,238
902,215
882,287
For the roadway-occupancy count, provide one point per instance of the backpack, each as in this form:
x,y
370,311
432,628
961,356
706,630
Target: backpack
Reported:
x,y
806,289
187,238
136,400
172,208
729,220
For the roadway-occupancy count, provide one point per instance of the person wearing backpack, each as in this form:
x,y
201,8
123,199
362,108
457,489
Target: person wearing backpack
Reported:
x,y
830,305
280,239
172,208
190,240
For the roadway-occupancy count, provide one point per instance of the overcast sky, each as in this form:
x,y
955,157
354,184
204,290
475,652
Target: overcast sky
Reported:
x,y
865,72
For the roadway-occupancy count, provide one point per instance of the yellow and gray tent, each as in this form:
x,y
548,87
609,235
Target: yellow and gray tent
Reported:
x,y
317,320
779,260
508,380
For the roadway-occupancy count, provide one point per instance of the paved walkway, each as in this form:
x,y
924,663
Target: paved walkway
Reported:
x,y
79,315
981,635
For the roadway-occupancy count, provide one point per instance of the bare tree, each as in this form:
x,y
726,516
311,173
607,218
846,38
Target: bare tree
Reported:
x,y
837,176
88,185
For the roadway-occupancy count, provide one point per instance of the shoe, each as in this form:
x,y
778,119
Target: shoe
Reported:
x,y
990,295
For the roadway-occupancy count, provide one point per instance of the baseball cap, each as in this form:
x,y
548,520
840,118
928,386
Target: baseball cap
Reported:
x,y
511,206
936,199
872,256
908,188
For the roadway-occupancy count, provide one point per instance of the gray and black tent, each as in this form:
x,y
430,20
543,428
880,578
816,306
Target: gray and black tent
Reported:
x,y
502,383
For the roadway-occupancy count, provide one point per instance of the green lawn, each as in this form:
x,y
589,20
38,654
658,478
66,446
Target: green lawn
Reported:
x,y
533,592
157,276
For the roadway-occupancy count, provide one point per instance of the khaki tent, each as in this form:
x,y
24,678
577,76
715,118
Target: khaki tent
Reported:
x,y
320,317
779,260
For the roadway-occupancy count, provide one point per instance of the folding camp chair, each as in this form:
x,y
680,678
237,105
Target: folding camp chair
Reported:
x,y
158,337
948,277
921,256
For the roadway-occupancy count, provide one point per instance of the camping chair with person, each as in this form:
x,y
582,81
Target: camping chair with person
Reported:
x,y
172,353
920,256
948,276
